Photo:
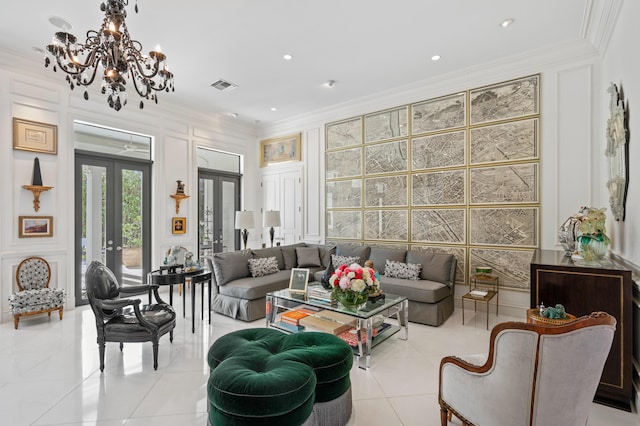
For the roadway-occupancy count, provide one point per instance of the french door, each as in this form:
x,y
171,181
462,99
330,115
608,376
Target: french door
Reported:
x,y
112,217
218,201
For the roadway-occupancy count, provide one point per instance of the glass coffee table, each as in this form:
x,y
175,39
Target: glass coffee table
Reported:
x,y
361,319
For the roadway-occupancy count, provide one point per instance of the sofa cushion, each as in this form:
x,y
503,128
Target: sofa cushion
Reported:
x,y
268,252
308,256
352,250
435,266
262,266
230,266
417,291
380,255
325,252
338,260
255,288
407,271
289,255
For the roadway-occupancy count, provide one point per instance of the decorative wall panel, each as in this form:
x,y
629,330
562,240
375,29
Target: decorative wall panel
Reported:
x,y
456,174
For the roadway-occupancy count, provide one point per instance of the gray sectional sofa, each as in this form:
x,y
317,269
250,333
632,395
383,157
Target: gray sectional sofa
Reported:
x,y
240,295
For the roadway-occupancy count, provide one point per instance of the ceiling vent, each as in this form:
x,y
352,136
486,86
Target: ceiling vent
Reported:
x,y
224,86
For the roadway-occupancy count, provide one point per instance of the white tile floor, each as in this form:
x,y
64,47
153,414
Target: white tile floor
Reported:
x,y
49,374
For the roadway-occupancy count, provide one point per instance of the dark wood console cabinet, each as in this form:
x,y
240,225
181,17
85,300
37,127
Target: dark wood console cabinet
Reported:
x,y
584,288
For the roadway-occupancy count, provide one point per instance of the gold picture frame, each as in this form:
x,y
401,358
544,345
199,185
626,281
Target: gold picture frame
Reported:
x,y
278,150
35,226
179,225
35,137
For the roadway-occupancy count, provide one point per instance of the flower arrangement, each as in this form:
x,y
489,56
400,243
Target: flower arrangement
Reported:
x,y
353,284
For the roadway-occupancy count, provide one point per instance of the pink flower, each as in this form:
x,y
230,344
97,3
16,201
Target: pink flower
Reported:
x,y
345,283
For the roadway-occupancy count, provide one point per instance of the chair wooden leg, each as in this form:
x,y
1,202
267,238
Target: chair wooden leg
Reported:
x,y
155,354
121,346
60,314
171,336
444,415
101,351
16,320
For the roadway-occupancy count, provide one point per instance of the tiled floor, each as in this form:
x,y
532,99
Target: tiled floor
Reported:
x,y
49,374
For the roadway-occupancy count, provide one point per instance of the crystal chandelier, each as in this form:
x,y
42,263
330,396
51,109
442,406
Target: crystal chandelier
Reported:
x,y
113,49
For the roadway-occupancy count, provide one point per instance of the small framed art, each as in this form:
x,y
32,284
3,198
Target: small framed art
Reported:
x,y
179,225
298,281
35,226
34,136
276,150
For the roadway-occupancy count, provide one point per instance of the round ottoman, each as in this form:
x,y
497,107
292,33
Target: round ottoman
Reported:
x,y
263,376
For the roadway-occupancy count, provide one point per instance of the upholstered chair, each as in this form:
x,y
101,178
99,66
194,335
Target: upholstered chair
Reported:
x,y
534,375
34,295
122,319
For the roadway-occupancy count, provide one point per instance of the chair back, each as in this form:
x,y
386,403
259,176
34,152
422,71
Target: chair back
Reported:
x,y
568,372
33,273
101,284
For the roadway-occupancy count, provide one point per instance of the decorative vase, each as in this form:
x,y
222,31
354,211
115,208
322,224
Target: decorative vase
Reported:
x,y
351,299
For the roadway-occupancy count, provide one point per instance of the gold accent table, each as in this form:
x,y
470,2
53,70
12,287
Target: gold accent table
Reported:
x,y
486,283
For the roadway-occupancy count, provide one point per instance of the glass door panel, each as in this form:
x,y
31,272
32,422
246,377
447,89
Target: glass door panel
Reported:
x,y
218,200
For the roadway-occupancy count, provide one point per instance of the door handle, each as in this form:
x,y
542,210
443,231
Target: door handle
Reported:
x,y
118,248
109,248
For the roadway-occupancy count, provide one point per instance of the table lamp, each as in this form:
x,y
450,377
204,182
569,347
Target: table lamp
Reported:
x,y
271,218
244,220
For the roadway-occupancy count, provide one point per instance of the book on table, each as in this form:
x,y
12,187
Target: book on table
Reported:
x,y
294,316
351,336
289,327
313,322
478,293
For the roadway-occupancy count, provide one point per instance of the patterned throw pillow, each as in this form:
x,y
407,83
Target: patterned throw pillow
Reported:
x,y
407,271
262,266
343,260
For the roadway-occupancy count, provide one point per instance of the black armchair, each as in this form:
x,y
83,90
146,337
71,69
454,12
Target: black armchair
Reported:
x,y
126,320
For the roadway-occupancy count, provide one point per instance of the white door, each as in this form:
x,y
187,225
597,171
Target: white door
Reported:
x,y
282,191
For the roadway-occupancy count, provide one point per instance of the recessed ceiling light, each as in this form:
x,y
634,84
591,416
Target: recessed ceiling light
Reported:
x,y
234,114
287,57
274,109
330,83
435,58
506,23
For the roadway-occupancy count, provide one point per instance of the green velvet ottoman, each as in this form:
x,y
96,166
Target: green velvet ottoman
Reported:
x,y
262,376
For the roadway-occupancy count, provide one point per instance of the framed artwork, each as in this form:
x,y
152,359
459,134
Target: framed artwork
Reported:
x,y
388,191
438,188
344,133
516,140
35,226
438,114
441,150
387,124
344,224
179,225
389,225
517,183
278,150
388,157
512,266
502,101
298,281
516,226
344,163
34,136
438,225
344,194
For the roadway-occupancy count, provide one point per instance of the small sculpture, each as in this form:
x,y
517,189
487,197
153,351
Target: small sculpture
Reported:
x,y
180,188
188,260
556,312
172,257
37,176
593,239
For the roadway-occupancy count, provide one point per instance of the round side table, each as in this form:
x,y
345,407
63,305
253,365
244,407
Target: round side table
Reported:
x,y
534,317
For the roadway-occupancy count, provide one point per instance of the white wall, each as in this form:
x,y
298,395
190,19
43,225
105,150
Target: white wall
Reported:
x,y
621,65
570,151
30,92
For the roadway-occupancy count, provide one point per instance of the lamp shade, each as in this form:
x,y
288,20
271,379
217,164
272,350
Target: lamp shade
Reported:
x,y
244,220
271,218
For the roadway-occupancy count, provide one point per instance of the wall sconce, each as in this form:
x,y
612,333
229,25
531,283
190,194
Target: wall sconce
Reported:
x,y
271,219
244,220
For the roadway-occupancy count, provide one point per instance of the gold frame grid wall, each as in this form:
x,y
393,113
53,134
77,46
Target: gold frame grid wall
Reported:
x,y
456,174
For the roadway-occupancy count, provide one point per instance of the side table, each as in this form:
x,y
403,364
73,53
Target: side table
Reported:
x,y
482,288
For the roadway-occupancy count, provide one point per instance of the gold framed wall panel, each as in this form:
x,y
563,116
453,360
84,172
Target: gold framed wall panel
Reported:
x,y
465,180
440,150
388,124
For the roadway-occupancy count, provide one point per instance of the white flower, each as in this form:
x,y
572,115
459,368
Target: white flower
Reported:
x,y
351,275
358,286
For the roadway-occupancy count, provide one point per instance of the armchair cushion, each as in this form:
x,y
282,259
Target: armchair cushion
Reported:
x,y
36,300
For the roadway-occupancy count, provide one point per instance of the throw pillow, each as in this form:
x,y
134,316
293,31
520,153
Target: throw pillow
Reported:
x,y
343,260
407,271
308,256
261,266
